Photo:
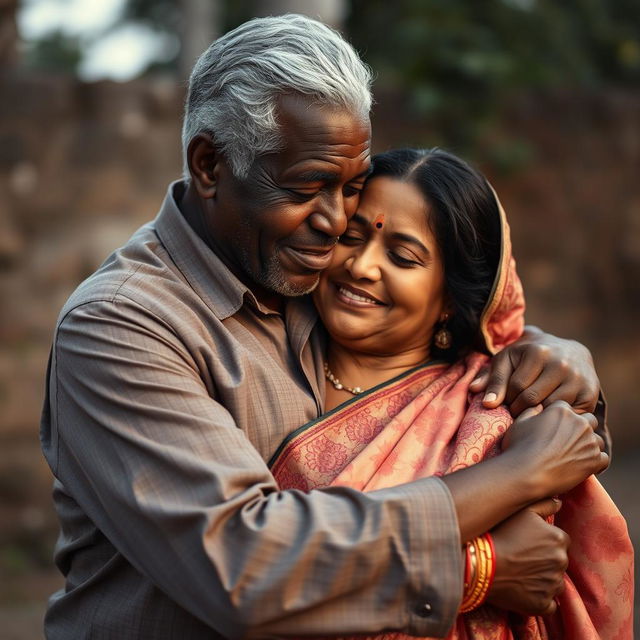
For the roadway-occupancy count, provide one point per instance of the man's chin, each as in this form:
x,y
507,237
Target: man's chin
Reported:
x,y
291,287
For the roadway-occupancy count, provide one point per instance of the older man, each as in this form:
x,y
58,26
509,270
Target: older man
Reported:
x,y
182,363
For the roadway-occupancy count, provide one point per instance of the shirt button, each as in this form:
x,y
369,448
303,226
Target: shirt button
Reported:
x,y
424,610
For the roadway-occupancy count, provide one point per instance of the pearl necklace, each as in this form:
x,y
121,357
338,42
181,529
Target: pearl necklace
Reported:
x,y
337,384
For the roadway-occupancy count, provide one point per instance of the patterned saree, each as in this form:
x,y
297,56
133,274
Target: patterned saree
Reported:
x,y
425,422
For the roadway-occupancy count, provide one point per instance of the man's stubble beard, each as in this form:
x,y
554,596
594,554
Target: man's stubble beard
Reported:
x,y
273,279
271,276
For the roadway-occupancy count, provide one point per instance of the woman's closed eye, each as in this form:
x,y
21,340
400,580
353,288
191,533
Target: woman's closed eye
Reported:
x,y
404,259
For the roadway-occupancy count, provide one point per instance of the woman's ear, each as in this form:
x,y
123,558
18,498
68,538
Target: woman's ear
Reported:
x,y
203,159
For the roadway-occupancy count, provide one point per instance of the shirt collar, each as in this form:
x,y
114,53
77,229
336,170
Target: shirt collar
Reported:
x,y
206,274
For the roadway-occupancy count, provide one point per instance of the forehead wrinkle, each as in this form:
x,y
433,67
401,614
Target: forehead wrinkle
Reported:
x,y
333,163
323,130
344,149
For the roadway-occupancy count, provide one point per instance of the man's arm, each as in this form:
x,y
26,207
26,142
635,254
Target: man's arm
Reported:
x,y
165,473
541,368
162,469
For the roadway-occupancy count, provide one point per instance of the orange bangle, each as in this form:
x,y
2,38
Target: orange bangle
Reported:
x,y
480,555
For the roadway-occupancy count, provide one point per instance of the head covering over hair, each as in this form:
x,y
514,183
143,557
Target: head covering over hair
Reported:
x,y
502,320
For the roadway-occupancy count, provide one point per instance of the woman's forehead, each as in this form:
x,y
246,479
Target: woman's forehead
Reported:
x,y
388,203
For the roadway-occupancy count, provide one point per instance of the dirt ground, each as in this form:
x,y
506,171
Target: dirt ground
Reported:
x,y
23,597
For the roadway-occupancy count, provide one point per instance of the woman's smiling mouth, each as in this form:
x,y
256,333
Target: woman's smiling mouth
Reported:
x,y
356,297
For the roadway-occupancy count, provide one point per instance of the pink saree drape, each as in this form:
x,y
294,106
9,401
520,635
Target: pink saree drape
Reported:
x,y
426,422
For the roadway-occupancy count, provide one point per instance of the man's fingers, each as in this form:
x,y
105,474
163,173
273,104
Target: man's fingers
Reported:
x,y
551,608
567,393
529,412
538,392
546,508
530,371
587,396
605,460
592,420
499,374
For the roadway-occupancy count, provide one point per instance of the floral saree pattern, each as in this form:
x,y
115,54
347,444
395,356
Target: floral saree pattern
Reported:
x,y
426,422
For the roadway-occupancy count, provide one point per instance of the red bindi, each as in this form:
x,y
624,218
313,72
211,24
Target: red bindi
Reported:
x,y
378,223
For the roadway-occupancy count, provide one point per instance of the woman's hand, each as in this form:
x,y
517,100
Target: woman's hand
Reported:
x,y
540,369
545,452
531,558
554,448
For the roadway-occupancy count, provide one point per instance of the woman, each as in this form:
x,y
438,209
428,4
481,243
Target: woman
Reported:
x,y
421,291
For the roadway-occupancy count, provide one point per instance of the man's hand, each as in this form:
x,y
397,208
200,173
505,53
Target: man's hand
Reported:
x,y
531,558
555,447
540,369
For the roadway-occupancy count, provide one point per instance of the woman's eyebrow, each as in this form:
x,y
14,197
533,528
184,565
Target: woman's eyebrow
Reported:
x,y
358,218
405,237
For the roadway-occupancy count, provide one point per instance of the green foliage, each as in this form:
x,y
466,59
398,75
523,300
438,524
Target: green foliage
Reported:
x,y
458,60
56,52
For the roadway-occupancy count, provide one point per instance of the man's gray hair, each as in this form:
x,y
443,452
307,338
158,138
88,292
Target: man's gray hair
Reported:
x,y
235,84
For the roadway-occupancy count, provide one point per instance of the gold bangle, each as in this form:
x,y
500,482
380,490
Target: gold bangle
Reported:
x,y
482,556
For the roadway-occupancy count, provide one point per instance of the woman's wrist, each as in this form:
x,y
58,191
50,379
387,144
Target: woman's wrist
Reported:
x,y
505,478
480,569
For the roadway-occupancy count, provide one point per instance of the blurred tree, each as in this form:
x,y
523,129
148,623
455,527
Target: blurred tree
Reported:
x,y
8,33
195,22
457,60
56,51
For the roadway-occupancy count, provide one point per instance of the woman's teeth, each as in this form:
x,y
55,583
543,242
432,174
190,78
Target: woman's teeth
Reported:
x,y
354,296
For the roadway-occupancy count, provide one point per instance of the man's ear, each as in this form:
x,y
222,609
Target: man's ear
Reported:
x,y
204,160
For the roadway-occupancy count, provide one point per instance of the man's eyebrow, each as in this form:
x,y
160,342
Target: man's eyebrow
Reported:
x,y
314,175
322,175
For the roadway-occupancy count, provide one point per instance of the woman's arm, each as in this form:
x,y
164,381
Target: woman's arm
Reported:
x,y
545,453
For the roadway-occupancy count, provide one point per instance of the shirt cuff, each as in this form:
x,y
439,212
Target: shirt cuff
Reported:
x,y
436,560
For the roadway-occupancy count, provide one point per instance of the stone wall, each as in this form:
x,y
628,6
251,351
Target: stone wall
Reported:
x,y
82,166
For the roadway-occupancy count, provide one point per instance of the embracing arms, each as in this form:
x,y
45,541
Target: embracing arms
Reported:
x,y
162,469
168,476
539,369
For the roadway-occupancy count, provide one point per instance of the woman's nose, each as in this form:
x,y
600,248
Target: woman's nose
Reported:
x,y
364,264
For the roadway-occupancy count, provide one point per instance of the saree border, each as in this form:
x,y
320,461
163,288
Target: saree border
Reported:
x,y
406,377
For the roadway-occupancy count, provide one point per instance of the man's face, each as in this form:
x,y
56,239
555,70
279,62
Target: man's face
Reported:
x,y
277,227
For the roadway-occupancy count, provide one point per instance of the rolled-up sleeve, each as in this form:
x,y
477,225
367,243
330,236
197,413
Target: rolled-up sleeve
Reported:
x,y
161,468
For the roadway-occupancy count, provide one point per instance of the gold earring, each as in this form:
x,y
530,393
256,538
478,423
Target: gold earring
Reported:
x,y
443,338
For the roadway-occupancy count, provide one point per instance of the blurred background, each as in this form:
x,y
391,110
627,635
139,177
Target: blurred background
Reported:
x,y
544,96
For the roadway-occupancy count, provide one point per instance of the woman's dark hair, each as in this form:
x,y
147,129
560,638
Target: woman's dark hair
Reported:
x,y
466,223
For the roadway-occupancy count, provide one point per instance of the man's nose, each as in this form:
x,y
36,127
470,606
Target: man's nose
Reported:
x,y
330,216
